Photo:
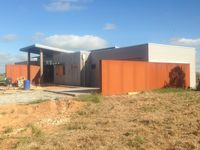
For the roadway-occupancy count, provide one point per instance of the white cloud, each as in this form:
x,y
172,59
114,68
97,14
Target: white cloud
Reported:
x,y
186,42
109,26
75,42
66,5
38,36
8,38
7,58
193,42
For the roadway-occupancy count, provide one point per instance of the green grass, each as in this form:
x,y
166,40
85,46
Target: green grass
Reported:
x,y
169,90
36,102
36,135
95,98
136,142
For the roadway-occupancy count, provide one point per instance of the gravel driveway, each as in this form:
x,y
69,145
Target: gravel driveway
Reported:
x,y
28,96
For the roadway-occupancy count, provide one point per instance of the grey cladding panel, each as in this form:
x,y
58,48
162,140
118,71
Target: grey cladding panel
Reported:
x,y
71,62
127,53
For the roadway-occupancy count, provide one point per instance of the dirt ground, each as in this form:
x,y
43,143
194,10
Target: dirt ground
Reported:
x,y
160,119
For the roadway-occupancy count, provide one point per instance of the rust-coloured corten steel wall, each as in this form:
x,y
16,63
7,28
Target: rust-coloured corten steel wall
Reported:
x,y
18,71
120,77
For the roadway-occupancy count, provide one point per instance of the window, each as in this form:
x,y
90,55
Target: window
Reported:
x,y
60,70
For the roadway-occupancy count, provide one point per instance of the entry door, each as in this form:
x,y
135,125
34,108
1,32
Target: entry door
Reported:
x,y
48,75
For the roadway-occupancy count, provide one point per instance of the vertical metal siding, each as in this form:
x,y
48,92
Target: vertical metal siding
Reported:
x,y
118,77
20,71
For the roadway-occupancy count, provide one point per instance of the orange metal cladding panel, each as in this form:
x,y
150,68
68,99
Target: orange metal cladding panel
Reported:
x,y
115,77
35,74
108,79
104,79
19,71
127,76
119,77
152,76
140,76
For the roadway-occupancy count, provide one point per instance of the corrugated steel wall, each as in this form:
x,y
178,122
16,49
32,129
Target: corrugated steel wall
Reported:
x,y
18,71
118,77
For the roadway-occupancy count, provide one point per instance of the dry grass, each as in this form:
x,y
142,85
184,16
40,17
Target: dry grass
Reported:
x,y
153,120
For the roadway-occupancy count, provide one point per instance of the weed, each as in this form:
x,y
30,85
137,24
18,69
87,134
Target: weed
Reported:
x,y
193,101
76,126
95,98
57,98
102,122
8,130
82,112
21,141
35,131
129,133
196,101
3,113
136,142
12,111
149,109
148,122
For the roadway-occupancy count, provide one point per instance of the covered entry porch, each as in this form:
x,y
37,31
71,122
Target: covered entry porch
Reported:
x,y
44,59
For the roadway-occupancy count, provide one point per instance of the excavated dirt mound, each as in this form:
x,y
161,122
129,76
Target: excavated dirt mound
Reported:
x,y
45,114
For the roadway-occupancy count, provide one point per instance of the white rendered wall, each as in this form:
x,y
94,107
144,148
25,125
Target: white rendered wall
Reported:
x,y
174,54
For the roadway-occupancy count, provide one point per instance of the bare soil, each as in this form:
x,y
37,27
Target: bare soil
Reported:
x,y
151,120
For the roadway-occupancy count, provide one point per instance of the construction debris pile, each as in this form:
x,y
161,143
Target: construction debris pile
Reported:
x,y
20,82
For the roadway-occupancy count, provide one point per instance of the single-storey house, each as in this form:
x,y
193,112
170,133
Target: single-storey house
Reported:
x,y
82,68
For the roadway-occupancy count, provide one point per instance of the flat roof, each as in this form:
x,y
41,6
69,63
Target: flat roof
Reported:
x,y
178,46
46,49
52,50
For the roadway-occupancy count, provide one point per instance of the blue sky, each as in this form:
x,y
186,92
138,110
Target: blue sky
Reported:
x,y
90,24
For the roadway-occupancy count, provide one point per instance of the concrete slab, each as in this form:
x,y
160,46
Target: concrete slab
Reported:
x,y
74,91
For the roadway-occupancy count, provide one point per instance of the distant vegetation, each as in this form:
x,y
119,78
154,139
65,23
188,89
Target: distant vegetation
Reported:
x,y
2,76
198,80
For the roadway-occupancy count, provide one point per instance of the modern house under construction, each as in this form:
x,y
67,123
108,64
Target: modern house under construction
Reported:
x,y
83,68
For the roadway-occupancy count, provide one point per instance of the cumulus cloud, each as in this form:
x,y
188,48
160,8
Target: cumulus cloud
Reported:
x,y
7,58
193,42
8,38
66,5
75,42
109,26
186,42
